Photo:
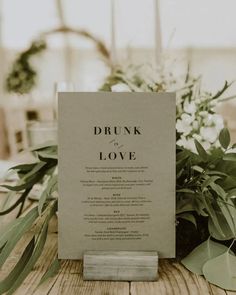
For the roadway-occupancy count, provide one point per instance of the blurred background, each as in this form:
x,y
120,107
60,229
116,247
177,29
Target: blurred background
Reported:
x,y
83,36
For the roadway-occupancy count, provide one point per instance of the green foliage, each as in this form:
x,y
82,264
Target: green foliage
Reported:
x,y
205,179
14,234
52,271
137,79
22,77
202,153
201,254
224,138
221,271
35,222
206,187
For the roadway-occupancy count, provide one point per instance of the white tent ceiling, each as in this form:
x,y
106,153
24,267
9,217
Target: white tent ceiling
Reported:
x,y
201,23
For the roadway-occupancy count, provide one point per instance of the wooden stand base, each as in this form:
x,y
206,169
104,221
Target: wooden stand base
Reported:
x,y
120,266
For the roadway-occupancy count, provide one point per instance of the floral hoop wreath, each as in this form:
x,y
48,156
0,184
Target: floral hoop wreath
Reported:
x,y
23,75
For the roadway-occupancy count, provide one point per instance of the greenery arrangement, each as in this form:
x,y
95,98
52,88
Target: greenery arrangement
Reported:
x,y
35,222
205,190
205,173
195,109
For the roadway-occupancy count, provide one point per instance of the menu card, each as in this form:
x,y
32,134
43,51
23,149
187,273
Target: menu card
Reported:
x,y
116,173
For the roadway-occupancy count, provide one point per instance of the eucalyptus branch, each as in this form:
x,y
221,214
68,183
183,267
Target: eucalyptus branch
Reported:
x,y
21,200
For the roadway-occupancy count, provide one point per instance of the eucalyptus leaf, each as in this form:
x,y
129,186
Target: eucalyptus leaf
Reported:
x,y
10,197
212,172
198,169
221,271
51,186
49,159
201,151
38,249
36,169
230,157
201,254
8,230
45,145
184,205
33,177
231,194
183,155
215,225
29,178
191,202
6,284
218,189
26,268
181,165
219,228
209,180
24,167
19,230
189,217
228,183
45,155
224,138
51,272
17,188
229,211
20,200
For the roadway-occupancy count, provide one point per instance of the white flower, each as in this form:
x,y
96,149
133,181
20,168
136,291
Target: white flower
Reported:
x,y
218,121
187,118
190,144
183,125
209,134
121,87
214,120
195,124
187,143
203,114
189,107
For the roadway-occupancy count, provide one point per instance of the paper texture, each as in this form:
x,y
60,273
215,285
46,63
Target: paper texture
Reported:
x,y
116,173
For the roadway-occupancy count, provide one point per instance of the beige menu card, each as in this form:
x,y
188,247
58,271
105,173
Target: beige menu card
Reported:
x,y
116,173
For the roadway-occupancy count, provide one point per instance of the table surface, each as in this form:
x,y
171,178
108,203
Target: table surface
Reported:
x,y
173,277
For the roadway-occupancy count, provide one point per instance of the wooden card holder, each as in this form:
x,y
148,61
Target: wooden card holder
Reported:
x,y
120,266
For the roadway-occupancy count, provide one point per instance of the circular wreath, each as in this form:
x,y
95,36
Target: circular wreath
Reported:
x,y
23,75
